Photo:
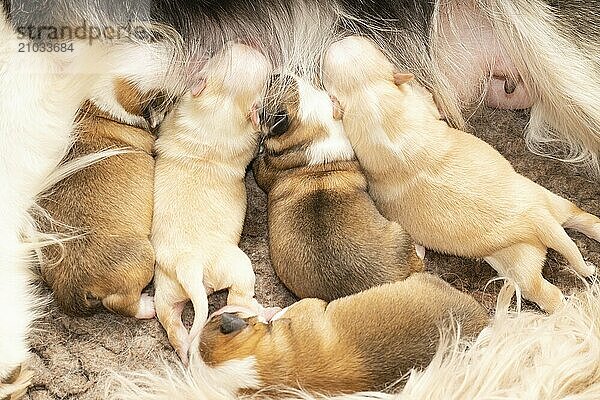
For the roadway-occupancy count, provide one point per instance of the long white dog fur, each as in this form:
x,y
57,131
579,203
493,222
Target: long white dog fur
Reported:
x,y
34,136
40,96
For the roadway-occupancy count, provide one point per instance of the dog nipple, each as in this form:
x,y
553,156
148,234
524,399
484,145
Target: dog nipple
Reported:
x,y
509,86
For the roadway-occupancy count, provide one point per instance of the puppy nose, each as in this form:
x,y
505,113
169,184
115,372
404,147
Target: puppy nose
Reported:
x,y
231,323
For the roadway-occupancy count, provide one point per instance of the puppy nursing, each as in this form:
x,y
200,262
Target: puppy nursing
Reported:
x,y
358,343
327,239
108,206
451,191
203,150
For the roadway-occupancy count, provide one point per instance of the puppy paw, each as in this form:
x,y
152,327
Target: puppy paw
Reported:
x,y
552,300
146,307
15,387
244,300
268,313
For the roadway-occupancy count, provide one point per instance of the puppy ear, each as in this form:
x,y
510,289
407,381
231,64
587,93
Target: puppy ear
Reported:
x,y
231,323
400,78
255,117
338,111
199,88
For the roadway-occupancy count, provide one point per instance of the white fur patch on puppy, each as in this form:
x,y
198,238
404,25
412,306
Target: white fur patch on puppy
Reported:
x,y
236,374
316,107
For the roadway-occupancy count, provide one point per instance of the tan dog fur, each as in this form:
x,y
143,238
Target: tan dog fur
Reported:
x,y
203,150
109,205
363,342
327,239
450,190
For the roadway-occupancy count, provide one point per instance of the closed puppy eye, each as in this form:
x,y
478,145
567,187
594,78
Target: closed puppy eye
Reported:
x,y
280,123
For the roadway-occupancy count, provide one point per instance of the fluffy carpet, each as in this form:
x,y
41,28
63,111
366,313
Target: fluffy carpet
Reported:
x,y
74,357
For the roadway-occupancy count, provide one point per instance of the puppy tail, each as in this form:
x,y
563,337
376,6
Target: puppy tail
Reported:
x,y
561,75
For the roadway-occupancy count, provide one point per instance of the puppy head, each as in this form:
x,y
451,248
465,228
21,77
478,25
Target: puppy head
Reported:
x,y
298,117
139,103
279,110
352,63
301,127
231,336
238,72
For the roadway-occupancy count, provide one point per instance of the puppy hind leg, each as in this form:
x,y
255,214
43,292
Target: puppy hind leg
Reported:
x,y
523,264
588,224
235,273
554,236
133,304
169,300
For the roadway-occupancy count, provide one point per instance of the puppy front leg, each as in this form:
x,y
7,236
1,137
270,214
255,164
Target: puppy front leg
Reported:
x,y
523,264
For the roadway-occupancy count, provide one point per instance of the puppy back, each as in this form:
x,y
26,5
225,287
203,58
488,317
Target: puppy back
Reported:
x,y
397,326
106,209
327,238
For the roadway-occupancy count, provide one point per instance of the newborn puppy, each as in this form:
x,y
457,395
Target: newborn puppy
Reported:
x,y
327,239
109,207
451,191
203,150
363,342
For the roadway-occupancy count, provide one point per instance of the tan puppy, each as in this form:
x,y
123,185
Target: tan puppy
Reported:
x,y
109,204
363,342
203,150
327,239
450,190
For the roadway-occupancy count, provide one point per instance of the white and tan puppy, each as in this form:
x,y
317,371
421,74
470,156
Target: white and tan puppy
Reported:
x,y
451,191
203,150
326,237
363,342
